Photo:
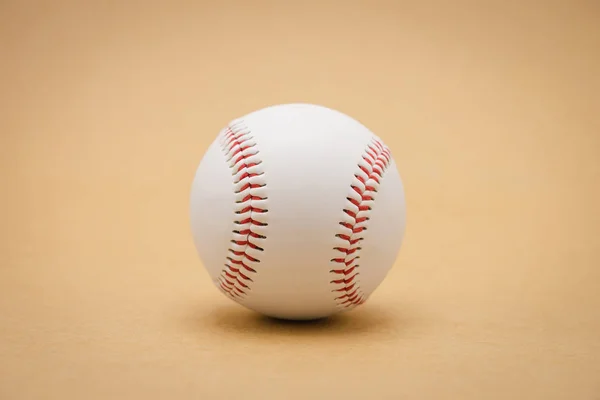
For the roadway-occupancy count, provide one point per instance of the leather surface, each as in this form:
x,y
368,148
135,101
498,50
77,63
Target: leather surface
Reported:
x,y
490,110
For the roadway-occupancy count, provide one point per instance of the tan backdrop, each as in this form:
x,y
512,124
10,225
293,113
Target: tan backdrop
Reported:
x,y
490,108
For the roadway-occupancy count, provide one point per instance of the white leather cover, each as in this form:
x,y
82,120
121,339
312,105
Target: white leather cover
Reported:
x,y
297,211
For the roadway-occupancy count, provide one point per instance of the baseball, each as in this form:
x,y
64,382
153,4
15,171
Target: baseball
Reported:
x,y
297,211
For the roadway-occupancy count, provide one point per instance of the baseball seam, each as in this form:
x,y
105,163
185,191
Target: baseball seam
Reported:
x,y
346,270
250,221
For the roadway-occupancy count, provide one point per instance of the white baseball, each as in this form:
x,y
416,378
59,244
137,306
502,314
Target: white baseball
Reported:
x,y
297,211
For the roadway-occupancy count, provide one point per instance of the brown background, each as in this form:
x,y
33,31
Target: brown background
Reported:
x,y
492,113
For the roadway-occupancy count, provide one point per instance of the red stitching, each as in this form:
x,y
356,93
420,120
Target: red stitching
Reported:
x,y
239,147
376,159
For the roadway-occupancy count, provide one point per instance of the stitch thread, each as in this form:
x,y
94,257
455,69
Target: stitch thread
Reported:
x,y
249,184
364,187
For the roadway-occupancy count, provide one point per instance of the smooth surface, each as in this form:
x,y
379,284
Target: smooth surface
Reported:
x,y
491,112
